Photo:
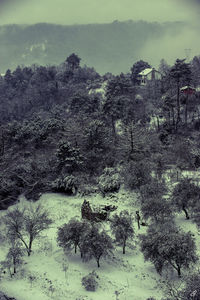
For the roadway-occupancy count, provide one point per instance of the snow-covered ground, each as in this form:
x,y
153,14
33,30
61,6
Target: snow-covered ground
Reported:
x,y
127,274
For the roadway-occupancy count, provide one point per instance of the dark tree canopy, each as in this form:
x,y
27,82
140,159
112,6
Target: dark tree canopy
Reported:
x,y
166,245
122,228
73,61
185,196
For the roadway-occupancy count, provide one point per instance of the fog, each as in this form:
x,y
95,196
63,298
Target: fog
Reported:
x,y
185,45
95,11
70,12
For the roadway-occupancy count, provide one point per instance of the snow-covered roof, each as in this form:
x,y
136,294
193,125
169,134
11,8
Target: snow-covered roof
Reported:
x,y
187,87
146,71
138,97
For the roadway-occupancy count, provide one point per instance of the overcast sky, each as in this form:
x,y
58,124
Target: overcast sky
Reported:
x,y
96,11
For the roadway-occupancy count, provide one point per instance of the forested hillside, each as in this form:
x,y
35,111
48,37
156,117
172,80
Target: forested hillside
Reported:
x,y
107,47
124,158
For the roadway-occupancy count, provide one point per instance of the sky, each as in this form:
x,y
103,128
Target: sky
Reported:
x,y
70,12
96,11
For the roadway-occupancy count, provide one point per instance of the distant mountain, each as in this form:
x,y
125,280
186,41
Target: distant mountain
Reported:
x,y
106,47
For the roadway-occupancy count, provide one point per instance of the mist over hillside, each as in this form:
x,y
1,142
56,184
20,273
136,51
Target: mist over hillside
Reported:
x,y
110,47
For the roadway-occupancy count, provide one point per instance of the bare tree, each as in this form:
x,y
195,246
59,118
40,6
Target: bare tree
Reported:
x,y
14,257
27,224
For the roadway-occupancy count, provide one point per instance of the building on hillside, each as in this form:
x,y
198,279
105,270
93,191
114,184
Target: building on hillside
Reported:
x,y
188,90
147,75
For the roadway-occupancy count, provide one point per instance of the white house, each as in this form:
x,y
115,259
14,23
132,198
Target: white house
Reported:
x,y
149,74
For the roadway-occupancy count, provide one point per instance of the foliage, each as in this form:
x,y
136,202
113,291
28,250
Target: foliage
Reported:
x,y
179,74
192,287
154,188
70,235
185,195
136,174
27,224
122,228
69,157
73,61
67,184
90,282
14,256
157,209
95,244
166,245
109,181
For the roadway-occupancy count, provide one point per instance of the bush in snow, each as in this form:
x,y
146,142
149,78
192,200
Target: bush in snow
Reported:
x,y
67,184
90,282
109,181
136,174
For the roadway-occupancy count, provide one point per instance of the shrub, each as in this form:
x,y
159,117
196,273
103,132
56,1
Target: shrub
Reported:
x,y
9,192
90,281
66,184
136,174
109,181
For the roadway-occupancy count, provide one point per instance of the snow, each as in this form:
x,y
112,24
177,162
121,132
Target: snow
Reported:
x,y
145,71
128,275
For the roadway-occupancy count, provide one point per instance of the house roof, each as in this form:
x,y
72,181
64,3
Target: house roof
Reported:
x,y
146,71
187,87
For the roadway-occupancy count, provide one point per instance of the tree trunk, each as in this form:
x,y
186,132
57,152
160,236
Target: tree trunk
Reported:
x,y
179,271
158,123
98,262
186,110
138,222
75,249
124,245
30,246
186,213
23,241
14,266
178,106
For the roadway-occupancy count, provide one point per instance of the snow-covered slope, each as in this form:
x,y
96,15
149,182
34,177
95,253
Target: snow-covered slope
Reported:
x,y
42,277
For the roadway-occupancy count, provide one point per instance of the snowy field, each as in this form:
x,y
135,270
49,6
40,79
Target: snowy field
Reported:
x,y
41,276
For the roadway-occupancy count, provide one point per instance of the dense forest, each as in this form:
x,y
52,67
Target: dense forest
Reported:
x,y
70,130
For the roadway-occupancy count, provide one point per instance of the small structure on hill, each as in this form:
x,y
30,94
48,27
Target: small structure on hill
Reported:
x,y
188,90
149,74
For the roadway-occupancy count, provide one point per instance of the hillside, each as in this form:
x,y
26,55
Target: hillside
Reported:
x,y
107,47
68,136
